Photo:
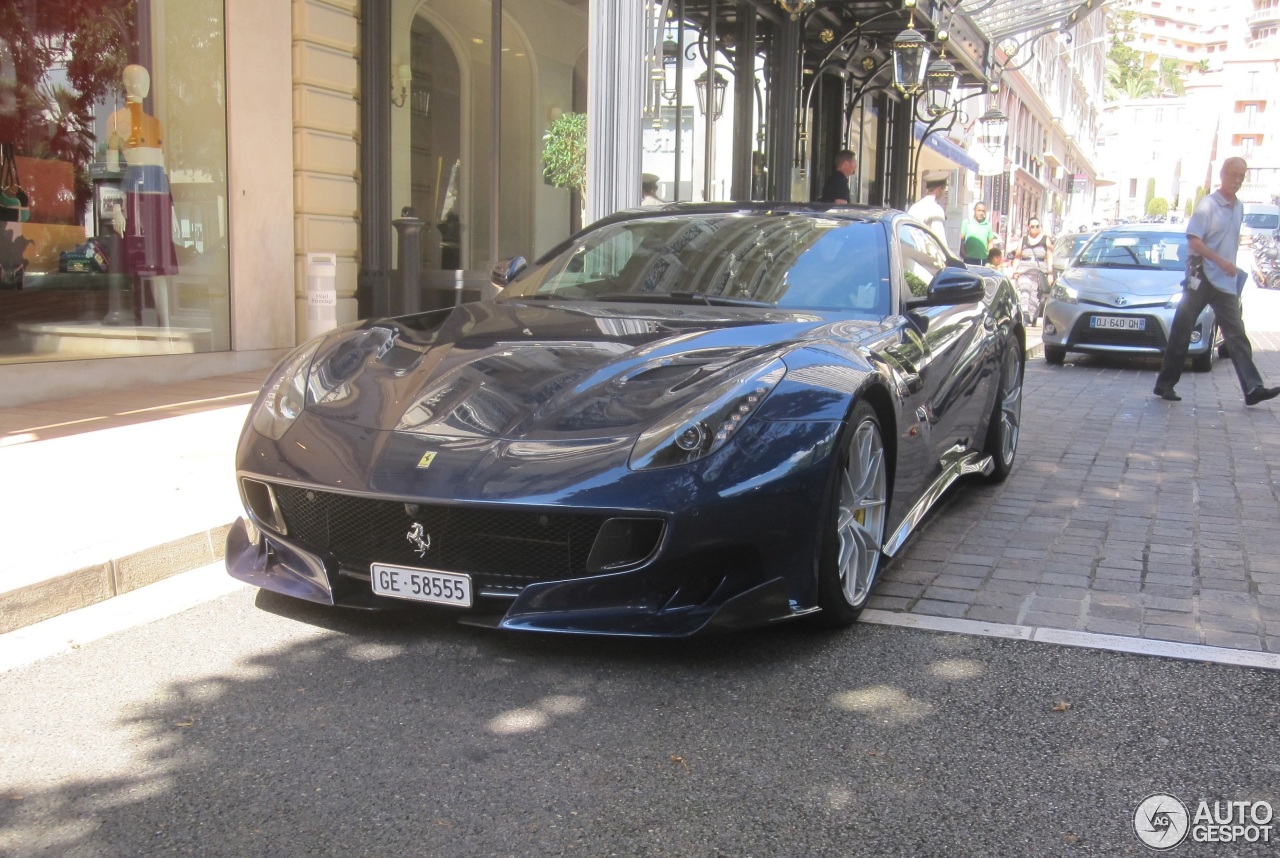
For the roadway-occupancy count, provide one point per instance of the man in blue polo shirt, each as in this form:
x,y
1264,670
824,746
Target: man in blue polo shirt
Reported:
x,y
1213,237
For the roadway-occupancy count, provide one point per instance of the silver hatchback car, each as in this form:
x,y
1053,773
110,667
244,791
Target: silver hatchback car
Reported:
x,y
1118,296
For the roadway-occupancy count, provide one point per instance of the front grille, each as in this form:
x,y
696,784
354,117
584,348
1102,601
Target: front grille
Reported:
x,y
1151,337
502,550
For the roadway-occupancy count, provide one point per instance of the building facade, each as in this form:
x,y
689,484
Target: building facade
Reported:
x,y
1229,54
209,181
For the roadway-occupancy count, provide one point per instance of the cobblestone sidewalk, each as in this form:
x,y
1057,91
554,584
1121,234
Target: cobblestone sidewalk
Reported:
x,y
1125,514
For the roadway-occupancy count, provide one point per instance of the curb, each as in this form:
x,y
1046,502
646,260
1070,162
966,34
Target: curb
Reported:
x,y
98,582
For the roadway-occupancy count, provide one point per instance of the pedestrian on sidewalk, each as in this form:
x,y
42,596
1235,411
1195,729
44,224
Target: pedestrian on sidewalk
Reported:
x,y
836,188
976,236
1213,239
928,209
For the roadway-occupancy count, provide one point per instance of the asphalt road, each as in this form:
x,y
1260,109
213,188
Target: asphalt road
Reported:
x,y
253,725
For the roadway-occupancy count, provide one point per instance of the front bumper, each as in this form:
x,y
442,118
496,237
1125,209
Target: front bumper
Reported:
x,y
738,544
1071,326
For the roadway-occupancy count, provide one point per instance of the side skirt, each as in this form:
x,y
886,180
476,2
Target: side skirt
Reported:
x,y
956,464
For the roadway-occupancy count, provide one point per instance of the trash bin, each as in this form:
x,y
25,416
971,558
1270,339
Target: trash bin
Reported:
x,y
322,293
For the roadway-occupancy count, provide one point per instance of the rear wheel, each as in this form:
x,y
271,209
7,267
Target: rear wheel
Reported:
x,y
856,515
1006,414
1054,354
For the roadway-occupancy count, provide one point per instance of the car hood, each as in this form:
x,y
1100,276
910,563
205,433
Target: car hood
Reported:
x,y
523,370
1108,283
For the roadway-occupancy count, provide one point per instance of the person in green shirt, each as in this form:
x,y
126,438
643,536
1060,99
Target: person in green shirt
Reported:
x,y
976,235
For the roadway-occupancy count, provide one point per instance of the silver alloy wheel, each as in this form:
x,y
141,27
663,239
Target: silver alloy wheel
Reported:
x,y
1010,405
861,519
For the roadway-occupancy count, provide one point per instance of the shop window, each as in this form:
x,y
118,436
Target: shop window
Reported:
x,y
114,130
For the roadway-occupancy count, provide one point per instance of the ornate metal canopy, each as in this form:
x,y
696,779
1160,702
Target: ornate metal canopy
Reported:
x,y
1007,19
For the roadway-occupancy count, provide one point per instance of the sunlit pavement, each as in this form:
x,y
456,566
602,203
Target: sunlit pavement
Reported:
x,y
1125,515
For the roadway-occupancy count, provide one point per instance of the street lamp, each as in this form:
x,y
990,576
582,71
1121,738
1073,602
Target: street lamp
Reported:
x,y
910,60
939,86
994,125
718,85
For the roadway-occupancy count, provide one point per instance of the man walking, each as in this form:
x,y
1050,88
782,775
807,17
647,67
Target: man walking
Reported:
x,y
928,209
836,188
1213,237
976,235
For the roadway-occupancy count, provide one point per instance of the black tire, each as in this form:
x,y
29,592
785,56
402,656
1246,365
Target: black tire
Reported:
x,y
1223,351
1006,414
849,559
1054,354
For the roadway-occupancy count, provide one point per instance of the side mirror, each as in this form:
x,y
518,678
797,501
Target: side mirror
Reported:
x,y
955,286
506,270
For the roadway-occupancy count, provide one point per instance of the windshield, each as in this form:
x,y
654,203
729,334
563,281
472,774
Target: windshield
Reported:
x,y
1261,220
787,261
1165,251
1073,244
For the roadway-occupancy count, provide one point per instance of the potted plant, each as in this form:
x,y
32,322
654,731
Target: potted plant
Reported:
x,y
564,159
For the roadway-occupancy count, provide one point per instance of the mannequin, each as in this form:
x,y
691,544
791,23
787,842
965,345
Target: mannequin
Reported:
x,y
145,223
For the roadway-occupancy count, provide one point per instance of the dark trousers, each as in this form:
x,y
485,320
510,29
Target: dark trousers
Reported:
x,y
1226,307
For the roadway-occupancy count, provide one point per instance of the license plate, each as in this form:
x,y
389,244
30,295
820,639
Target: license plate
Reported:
x,y
421,585
1121,323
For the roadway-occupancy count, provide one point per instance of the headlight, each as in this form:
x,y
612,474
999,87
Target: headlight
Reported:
x,y
1065,292
1174,299
286,393
706,424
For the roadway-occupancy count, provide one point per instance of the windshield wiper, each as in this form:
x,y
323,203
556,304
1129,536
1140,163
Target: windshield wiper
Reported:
x,y
681,298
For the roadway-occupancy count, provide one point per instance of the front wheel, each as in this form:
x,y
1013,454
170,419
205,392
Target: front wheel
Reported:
x,y
1054,354
858,508
1006,414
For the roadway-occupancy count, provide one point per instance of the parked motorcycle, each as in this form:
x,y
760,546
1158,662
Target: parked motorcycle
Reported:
x,y
1266,262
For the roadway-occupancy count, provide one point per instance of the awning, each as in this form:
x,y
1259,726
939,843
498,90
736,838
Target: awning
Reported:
x,y
1000,19
939,143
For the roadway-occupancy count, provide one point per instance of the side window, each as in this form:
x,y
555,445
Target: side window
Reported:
x,y
589,264
922,257
608,258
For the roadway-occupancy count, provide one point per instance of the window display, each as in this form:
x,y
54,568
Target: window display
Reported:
x,y
113,190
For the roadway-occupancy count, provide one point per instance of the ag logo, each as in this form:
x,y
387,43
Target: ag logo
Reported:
x,y
1161,821
426,460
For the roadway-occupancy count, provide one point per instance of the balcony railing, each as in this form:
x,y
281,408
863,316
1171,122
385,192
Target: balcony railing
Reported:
x,y
1265,15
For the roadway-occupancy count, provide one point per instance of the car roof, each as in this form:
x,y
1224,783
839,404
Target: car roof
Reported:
x,y
1143,227
847,212
754,207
